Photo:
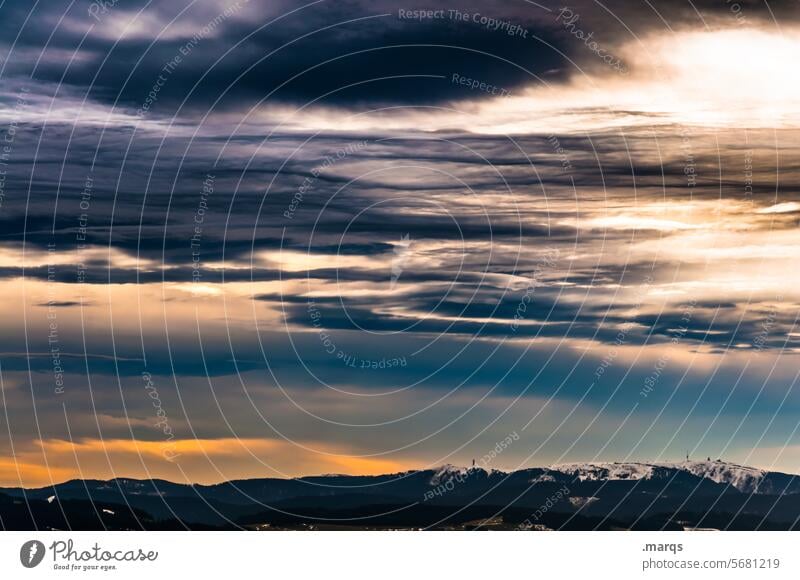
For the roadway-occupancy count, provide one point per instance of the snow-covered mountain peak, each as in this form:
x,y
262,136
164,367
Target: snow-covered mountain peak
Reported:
x,y
745,479
449,471
606,471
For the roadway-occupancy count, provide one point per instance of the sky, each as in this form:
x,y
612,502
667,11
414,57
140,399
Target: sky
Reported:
x,y
271,239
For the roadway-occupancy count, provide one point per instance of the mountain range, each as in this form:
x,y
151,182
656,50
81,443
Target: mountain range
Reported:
x,y
578,496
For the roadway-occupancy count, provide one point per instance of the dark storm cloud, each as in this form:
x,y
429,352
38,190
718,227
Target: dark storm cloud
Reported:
x,y
151,200
310,51
296,59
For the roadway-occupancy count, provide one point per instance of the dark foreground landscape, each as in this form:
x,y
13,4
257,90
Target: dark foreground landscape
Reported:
x,y
599,496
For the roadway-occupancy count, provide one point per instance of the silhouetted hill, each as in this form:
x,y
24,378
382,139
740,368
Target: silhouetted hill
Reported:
x,y
684,495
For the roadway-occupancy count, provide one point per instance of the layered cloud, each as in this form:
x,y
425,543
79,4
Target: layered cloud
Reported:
x,y
329,253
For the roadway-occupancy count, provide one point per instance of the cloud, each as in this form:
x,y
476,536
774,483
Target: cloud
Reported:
x,y
645,185
786,207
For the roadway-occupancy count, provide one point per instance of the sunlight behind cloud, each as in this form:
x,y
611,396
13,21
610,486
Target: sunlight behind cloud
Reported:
x,y
720,78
